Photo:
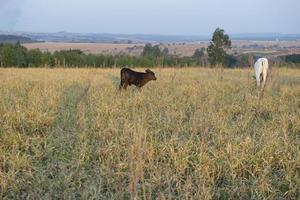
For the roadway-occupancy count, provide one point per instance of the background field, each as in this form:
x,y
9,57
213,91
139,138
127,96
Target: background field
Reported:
x,y
272,48
69,133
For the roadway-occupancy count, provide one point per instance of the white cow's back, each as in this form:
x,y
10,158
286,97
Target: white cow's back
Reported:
x,y
261,69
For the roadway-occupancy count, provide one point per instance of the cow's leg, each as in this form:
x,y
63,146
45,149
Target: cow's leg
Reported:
x,y
125,85
261,78
121,84
257,80
264,78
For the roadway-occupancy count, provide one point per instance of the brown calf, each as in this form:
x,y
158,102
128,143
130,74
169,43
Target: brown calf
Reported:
x,y
139,79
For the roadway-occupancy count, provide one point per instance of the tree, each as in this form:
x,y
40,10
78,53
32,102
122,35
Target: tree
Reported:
x,y
216,50
245,60
20,55
151,51
34,58
165,51
199,53
48,59
6,54
199,57
13,55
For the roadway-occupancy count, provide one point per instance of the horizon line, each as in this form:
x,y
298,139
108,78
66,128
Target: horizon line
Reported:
x,y
149,34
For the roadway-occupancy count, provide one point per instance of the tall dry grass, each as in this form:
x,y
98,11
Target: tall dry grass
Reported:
x,y
69,134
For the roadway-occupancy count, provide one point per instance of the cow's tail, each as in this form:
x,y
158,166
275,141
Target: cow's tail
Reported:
x,y
122,74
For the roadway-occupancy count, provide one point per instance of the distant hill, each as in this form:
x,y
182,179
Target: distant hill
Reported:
x,y
264,36
135,38
14,39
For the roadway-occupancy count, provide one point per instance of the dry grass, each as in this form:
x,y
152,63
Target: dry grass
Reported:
x,y
94,48
69,134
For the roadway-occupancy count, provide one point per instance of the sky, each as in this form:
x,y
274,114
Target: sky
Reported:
x,y
175,17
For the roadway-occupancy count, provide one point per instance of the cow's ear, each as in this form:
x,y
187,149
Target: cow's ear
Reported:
x,y
148,70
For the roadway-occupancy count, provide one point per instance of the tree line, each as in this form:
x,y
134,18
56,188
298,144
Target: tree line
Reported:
x,y
15,55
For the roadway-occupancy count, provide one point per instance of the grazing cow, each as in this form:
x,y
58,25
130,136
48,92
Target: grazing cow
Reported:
x,y
139,79
261,67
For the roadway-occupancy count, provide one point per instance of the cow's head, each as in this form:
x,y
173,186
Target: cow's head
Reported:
x,y
150,74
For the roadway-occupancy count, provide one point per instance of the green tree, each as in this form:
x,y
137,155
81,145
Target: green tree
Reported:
x,y
245,60
20,55
13,55
199,57
152,51
216,50
48,59
34,58
165,51
199,53
6,54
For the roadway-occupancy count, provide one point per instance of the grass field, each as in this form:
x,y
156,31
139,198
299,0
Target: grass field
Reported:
x,y
69,134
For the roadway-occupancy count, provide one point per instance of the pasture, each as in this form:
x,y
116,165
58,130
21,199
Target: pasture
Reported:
x,y
70,134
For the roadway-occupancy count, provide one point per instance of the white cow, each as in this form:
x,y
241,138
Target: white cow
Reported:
x,y
261,67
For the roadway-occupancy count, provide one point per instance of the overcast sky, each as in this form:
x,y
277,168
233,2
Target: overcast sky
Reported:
x,y
188,17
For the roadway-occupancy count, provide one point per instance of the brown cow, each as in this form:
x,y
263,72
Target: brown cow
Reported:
x,y
139,79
